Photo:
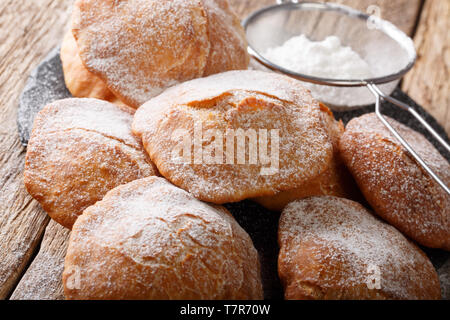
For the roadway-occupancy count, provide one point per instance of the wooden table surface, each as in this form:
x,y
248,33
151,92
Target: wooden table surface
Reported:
x,y
32,247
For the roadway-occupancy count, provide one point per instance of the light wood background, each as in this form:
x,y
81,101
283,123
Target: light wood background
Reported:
x,y
32,248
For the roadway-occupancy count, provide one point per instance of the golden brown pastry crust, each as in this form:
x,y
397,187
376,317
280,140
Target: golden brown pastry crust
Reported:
x,y
227,38
151,240
397,188
80,82
80,149
231,101
334,181
139,48
333,248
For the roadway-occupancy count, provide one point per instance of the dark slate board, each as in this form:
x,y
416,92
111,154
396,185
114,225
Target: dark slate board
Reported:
x,y
46,84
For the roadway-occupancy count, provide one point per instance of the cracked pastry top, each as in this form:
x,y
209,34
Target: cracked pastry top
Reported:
x,y
286,132
79,149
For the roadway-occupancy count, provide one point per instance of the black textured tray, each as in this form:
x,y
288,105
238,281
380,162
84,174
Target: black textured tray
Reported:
x,y
46,84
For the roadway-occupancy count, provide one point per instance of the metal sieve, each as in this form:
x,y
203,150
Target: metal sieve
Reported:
x,y
389,52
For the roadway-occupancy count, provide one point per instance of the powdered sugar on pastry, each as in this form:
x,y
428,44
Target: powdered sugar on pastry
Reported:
x,y
88,114
151,240
246,100
80,82
326,59
334,181
227,38
395,185
334,248
141,47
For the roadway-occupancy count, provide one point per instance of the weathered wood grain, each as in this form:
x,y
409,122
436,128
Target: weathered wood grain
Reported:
x,y
403,13
42,280
244,7
29,29
428,82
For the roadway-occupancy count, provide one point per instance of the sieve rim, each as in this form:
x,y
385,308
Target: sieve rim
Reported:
x,y
384,26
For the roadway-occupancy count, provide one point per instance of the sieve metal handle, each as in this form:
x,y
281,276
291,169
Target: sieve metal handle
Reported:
x,y
381,96
369,83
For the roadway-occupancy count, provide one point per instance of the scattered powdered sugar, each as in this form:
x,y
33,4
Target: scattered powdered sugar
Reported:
x,y
180,246
444,277
356,240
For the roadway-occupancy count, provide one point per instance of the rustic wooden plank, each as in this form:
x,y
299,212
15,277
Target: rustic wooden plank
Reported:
x,y
42,280
428,82
244,7
29,30
403,13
